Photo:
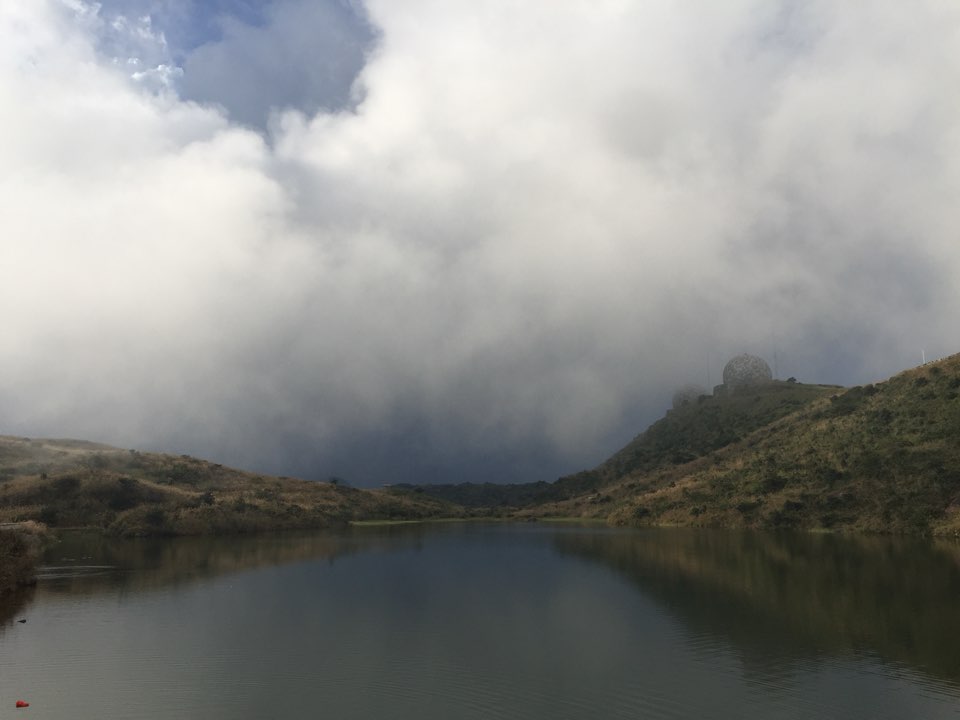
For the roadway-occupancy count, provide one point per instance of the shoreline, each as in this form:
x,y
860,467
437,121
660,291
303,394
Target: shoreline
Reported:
x,y
21,545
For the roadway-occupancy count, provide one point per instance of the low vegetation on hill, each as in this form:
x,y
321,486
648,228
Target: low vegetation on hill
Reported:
x,y
710,423
876,458
685,434
66,483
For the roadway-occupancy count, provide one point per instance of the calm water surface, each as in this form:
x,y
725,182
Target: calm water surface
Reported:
x,y
472,621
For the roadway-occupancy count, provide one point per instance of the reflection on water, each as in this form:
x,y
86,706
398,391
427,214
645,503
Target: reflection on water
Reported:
x,y
782,599
474,621
144,563
12,605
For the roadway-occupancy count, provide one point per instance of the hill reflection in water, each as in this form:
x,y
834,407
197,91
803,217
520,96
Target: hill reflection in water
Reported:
x,y
477,621
136,564
783,599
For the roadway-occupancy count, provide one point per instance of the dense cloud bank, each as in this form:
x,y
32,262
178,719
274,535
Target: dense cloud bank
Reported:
x,y
488,244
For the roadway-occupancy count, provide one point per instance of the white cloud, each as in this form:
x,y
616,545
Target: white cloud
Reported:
x,y
158,79
537,221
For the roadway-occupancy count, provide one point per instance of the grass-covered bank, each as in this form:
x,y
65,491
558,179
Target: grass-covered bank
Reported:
x,y
20,546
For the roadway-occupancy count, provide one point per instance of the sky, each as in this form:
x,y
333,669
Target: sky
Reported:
x,y
443,240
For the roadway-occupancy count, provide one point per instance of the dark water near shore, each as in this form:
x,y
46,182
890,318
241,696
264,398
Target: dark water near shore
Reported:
x,y
473,621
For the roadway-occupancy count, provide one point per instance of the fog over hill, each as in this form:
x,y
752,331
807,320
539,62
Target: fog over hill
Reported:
x,y
428,241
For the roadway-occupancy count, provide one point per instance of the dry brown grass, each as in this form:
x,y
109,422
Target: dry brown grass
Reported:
x,y
879,458
66,483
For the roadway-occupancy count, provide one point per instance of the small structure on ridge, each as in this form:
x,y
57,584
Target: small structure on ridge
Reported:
x,y
745,370
688,395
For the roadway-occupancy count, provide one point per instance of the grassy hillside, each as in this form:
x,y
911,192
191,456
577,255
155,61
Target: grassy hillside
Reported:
x,y
695,430
499,500
68,483
877,458
685,434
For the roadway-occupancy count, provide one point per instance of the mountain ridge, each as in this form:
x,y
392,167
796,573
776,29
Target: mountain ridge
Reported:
x,y
882,457
879,458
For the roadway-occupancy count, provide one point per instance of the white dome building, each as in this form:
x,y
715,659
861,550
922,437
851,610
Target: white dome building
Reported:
x,y
746,370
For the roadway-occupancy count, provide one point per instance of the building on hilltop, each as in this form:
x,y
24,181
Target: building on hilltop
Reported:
x,y
688,395
744,371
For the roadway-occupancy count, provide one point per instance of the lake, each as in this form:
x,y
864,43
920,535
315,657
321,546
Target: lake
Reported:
x,y
488,621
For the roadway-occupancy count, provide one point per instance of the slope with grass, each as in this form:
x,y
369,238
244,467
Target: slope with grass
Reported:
x,y
876,458
881,458
685,434
69,483
713,422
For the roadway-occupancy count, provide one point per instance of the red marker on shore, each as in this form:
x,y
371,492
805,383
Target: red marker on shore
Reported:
x,y
22,704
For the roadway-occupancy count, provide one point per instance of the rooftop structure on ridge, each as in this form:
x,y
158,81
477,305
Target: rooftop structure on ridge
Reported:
x,y
744,370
